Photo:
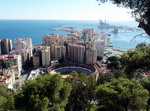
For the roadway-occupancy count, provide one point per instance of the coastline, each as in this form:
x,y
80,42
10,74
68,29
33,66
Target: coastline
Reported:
x,y
35,29
65,28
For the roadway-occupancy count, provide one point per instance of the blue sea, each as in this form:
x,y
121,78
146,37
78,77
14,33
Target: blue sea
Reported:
x,y
36,29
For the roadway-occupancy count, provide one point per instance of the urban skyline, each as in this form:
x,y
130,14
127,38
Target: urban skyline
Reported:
x,y
69,48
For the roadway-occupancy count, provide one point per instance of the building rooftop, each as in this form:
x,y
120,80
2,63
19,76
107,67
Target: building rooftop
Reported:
x,y
7,57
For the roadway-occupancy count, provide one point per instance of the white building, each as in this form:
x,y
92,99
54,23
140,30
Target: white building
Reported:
x,y
105,38
46,58
12,62
23,43
24,55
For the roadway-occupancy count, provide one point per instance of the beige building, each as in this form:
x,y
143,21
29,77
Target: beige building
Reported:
x,y
76,53
72,39
51,38
91,55
36,60
46,56
59,52
52,47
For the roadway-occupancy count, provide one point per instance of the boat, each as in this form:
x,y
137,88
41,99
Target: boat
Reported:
x,y
103,24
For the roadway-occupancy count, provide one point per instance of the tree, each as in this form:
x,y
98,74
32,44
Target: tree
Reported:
x,y
146,84
46,93
137,60
6,99
141,45
105,78
82,93
113,63
119,73
140,11
99,58
112,58
121,94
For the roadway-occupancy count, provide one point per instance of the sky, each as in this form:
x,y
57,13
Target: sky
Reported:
x,y
62,10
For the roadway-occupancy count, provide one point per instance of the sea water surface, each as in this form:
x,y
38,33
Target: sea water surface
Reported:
x,y
36,29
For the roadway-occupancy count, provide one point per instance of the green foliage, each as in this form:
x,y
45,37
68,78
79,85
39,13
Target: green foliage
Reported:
x,y
3,101
110,75
83,92
136,60
99,58
6,99
105,78
112,58
46,93
113,63
121,94
119,73
140,11
93,108
141,45
146,84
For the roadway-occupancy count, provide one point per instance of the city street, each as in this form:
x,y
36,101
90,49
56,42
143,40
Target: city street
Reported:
x,y
23,78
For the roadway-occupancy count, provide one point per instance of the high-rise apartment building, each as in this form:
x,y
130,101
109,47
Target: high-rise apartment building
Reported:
x,y
91,55
6,46
90,33
36,60
59,52
46,56
24,55
105,38
76,53
100,44
52,50
85,37
23,43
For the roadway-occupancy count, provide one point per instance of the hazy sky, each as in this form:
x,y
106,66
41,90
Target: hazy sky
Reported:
x,y
61,10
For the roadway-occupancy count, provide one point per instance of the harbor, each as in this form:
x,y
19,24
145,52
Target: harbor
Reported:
x,y
118,28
